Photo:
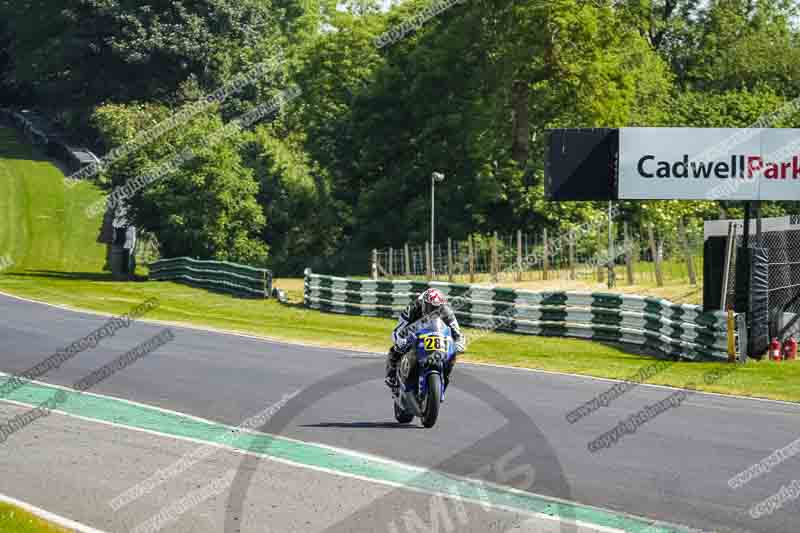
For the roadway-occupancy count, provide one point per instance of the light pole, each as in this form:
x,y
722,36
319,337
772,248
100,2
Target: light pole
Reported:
x,y
436,177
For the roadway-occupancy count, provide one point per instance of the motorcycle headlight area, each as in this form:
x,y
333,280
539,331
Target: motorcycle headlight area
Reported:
x,y
435,358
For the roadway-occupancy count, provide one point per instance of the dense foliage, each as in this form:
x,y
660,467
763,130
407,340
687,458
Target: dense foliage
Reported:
x,y
345,166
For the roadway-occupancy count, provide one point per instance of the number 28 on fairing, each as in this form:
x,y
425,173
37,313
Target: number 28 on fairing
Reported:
x,y
432,343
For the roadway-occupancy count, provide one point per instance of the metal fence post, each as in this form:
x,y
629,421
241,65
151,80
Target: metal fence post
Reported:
x,y
374,267
519,255
611,255
407,258
731,336
744,342
730,251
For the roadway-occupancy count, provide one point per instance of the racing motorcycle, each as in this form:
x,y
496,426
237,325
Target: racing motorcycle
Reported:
x,y
420,373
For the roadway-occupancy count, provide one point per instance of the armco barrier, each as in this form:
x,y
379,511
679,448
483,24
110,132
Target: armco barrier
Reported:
x,y
681,331
18,120
54,143
234,279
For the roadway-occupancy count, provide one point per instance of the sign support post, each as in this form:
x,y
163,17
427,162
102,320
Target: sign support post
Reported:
x,y
745,252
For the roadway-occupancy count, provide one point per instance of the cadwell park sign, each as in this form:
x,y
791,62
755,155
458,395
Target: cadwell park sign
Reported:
x,y
673,164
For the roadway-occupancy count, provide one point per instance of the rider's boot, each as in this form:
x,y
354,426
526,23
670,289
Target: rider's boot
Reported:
x,y
447,369
392,358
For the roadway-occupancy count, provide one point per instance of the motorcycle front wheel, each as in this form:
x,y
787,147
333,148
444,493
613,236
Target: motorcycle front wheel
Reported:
x,y
402,416
432,400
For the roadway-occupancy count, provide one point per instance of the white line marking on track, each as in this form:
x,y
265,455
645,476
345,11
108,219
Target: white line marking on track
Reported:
x,y
324,470
344,451
355,453
50,517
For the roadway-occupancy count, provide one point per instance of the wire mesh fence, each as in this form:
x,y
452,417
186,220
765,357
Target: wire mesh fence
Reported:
x,y
784,269
783,254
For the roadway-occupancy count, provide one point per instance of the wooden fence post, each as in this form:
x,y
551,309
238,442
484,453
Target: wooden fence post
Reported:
x,y
434,271
545,255
656,256
471,261
643,234
494,269
525,247
519,255
450,260
628,253
687,253
407,258
572,255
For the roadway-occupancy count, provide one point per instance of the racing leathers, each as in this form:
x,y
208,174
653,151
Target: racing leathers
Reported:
x,y
402,344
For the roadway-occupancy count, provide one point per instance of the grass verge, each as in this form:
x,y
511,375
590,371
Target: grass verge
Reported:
x,y
294,323
15,519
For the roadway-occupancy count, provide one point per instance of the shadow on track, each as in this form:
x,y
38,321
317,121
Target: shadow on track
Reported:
x,y
362,425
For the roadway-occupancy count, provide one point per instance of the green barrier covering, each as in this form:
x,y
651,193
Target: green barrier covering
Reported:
x,y
679,331
239,280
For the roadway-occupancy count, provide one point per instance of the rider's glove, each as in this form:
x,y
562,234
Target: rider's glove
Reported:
x,y
401,346
461,347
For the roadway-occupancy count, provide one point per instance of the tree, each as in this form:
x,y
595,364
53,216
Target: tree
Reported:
x,y
84,52
304,227
745,43
474,93
208,207
8,90
335,70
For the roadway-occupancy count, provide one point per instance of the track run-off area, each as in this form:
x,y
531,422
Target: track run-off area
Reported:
x,y
220,432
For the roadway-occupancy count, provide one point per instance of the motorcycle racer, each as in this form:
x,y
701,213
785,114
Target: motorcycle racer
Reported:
x,y
429,302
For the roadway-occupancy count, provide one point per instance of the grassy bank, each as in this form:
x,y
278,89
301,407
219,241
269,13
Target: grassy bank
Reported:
x,y
13,519
43,227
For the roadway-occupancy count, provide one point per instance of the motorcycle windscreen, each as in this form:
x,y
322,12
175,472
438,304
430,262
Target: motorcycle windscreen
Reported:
x,y
433,325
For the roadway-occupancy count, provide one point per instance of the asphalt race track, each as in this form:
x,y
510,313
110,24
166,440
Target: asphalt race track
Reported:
x,y
505,425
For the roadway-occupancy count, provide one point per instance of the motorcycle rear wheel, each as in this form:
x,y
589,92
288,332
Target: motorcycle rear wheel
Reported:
x,y
432,400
